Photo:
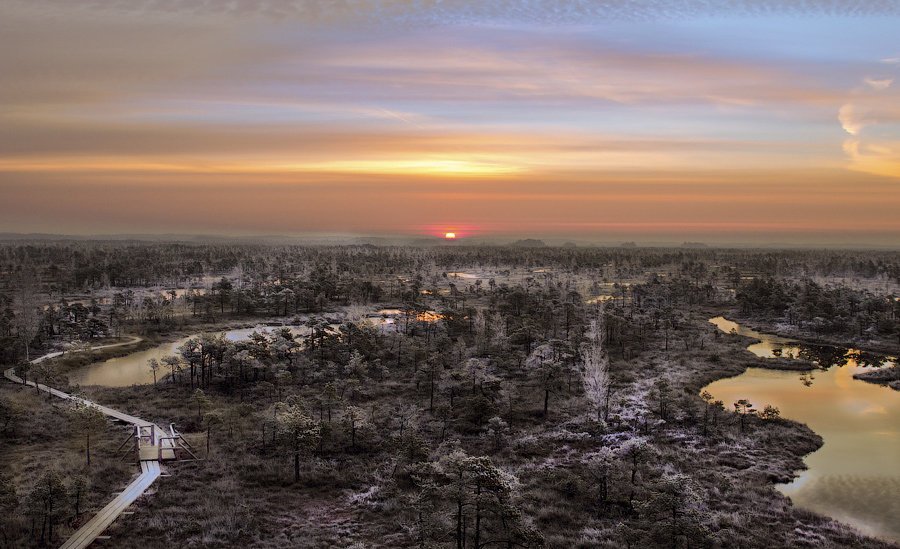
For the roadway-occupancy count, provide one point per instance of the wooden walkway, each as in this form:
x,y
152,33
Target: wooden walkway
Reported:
x,y
88,533
155,446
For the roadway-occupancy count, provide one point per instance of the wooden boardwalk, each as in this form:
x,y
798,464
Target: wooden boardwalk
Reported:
x,y
88,533
152,445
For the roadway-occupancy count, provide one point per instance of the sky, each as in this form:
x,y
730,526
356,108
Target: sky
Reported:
x,y
650,120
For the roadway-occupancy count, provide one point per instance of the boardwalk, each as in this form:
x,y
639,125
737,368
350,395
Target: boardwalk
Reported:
x,y
153,445
88,533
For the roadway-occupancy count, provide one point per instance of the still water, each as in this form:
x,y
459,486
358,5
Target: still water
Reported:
x,y
855,476
133,370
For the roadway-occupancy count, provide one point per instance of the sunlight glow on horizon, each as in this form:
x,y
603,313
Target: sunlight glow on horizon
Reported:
x,y
424,167
622,119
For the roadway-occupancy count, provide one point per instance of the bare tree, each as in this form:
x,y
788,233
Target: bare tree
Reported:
x,y
595,369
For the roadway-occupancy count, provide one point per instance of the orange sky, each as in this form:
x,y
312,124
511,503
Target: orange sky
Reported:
x,y
629,123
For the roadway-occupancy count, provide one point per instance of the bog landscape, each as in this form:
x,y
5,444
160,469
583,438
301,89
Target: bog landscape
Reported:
x,y
522,395
449,274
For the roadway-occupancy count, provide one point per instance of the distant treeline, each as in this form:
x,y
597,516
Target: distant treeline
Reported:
x,y
74,266
243,280
827,310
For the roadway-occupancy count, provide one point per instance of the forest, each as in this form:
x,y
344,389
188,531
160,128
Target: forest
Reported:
x,y
431,396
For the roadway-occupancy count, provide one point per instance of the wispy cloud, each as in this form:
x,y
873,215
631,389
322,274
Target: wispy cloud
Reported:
x,y
879,157
873,118
469,11
882,84
304,114
850,119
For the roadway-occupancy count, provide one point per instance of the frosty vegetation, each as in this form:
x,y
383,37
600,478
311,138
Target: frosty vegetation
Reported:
x,y
549,398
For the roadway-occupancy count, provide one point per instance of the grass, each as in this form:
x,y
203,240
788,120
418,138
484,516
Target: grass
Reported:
x,y
40,439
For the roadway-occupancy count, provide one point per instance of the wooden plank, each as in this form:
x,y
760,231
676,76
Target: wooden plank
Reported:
x,y
149,452
150,469
101,521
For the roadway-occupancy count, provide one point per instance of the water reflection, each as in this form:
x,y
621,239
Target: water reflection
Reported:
x,y
466,275
124,371
133,369
390,316
826,356
807,378
854,477
244,333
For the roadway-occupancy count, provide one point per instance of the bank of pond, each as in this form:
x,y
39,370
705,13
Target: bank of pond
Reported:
x,y
855,476
133,369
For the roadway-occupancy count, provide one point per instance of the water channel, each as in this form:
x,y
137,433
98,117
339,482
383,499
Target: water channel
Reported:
x,y
855,476
132,369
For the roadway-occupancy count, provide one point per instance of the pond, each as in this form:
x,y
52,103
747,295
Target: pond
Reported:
x,y
133,370
855,476
466,275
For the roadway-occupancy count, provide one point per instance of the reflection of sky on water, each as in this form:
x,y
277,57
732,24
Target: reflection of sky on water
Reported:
x,y
127,370
466,275
771,346
854,477
242,334
133,369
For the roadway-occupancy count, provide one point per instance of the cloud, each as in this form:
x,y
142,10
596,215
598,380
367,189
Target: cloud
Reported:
x,y
63,54
873,118
333,113
77,58
878,157
866,112
879,84
355,145
431,12
708,203
875,409
851,147
206,89
849,122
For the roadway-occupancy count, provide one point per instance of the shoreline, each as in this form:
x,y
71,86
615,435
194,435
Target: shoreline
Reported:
x,y
780,365
886,376
882,347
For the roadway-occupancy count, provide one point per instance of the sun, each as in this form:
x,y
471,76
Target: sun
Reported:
x,y
450,236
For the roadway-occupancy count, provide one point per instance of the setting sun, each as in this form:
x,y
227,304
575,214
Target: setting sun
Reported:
x,y
450,236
